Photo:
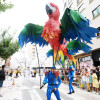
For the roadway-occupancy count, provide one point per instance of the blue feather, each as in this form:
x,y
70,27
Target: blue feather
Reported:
x,y
31,33
60,62
77,47
81,32
49,53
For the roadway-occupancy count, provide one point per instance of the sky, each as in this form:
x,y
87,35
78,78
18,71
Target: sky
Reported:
x,y
24,12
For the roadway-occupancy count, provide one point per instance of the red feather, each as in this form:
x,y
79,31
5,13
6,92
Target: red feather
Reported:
x,y
46,73
56,73
52,32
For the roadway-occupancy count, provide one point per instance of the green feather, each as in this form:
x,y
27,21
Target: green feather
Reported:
x,y
32,28
75,16
66,21
82,16
73,44
62,59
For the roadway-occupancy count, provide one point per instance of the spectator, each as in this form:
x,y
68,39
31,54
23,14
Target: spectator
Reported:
x,y
78,78
78,71
91,81
83,69
87,82
34,73
88,69
2,77
99,68
84,80
95,82
62,75
16,71
11,72
97,73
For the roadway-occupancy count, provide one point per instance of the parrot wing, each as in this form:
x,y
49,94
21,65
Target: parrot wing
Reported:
x,y
74,46
75,28
31,33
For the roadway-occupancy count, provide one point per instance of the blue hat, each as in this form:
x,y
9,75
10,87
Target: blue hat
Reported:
x,y
70,67
53,67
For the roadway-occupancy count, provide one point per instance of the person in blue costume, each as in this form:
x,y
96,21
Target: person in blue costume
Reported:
x,y
54,81
70,77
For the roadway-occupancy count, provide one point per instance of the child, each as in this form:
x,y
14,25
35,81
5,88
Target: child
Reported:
x,y
84,80
87,82
81,84
95,82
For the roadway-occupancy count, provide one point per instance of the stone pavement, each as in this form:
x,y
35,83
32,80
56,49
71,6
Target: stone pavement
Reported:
x,y
29,90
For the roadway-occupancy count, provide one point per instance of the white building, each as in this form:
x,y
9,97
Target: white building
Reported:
x,y
36,56
91,10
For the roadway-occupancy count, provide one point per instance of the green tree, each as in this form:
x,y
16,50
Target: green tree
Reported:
x,y
7,46
4,5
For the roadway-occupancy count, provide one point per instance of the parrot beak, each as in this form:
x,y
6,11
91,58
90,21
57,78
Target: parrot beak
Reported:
x,y
48,10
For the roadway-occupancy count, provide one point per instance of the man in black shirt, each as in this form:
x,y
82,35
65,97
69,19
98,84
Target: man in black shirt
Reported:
x,y
2,77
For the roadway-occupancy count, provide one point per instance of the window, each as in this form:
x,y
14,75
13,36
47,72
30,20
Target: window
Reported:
x,y
78,1
98,34
90,0
96,11
64,4
81,7
69,0
71,6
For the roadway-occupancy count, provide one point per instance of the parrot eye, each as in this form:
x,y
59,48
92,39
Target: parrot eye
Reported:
x,y
50,9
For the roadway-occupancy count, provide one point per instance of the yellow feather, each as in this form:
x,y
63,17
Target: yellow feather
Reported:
x,y
74,60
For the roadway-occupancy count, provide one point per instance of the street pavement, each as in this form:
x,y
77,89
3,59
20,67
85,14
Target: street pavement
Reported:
x,y
29,89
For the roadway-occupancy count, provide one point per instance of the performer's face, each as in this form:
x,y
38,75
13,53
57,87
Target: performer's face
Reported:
x,y
53,70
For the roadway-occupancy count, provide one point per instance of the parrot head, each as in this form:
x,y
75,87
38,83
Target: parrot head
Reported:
x,y
52,11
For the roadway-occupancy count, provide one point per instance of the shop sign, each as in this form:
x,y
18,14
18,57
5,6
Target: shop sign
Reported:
x,y
87,58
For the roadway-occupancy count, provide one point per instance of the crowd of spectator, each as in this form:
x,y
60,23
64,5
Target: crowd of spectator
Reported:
x,y
85,78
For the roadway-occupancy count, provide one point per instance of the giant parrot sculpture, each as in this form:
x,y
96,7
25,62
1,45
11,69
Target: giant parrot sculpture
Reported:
x,y
66,37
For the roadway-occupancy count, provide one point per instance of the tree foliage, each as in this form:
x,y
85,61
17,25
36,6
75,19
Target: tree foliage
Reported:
x,y
7,46
4,5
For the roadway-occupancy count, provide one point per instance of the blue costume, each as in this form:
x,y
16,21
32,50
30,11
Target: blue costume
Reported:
x,y
51,79
70,76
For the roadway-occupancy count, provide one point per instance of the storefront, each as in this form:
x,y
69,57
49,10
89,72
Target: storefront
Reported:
x,y
91,59
96,57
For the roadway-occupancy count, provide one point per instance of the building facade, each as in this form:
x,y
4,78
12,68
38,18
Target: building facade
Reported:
x,y
91,10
